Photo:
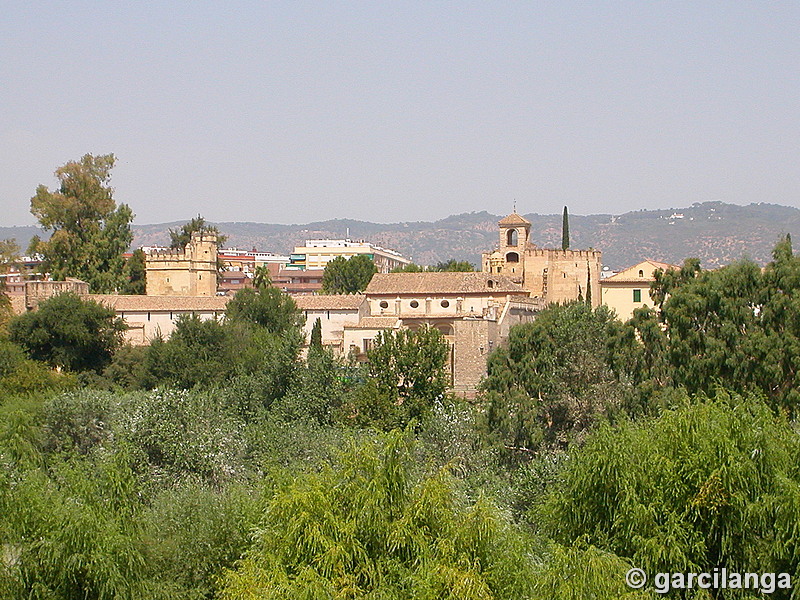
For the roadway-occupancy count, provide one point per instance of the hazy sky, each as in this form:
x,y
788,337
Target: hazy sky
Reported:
x,y
290,112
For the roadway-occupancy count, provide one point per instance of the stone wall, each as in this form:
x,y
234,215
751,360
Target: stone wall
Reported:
x,y
188,272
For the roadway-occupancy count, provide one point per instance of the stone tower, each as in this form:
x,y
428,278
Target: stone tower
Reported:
x,y
188,272
553,275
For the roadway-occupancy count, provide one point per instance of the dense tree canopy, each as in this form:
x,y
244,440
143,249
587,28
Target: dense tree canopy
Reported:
x,y
348,275
90,232
710,485
136,274
66,331
737,326
179,238
368,529
556,377
408,374
454,265
265,307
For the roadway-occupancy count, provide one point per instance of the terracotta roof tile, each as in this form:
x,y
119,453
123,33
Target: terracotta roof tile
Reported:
x,y
375,323
441,283
329,302
121,303
630,274
514,219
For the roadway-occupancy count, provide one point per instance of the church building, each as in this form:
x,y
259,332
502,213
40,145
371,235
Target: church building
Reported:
x,y
553,275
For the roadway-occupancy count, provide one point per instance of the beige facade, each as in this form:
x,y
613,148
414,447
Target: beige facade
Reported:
x,y
335,312
188,272
474,312
554,275
149,317
630,289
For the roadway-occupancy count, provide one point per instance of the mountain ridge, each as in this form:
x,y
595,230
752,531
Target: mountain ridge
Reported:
x,y
715,232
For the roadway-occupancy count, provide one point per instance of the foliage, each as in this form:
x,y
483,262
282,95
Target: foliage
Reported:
x,y
136,274
68,332
261,277
736,326
366,529
454,265
317,391
348,275
90,232
579,571
127,368
316,335
73,535
11,357
265,307
199,352
407,374
409,268
193,531
709,485
555,379
180,238
9,254
565,230
181,433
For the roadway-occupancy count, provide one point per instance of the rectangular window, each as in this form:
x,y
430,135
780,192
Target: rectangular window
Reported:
x,y
637,295
367,345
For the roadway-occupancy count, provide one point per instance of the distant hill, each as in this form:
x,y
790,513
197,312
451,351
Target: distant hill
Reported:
x,y
715,232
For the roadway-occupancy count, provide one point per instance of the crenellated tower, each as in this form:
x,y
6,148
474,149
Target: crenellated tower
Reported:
x,y
191,271
552,274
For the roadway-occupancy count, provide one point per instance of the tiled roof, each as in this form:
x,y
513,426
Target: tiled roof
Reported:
x,y
514,219
630,275
375,323
122,303
441,283
329,302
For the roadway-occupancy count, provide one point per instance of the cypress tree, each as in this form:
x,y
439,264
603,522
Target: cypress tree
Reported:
x,y
316,335
565,230
588,284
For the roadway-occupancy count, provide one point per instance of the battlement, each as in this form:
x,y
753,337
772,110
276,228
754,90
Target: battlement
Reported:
x,y
191,271
557,253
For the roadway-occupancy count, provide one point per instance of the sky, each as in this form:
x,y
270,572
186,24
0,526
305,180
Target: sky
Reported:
x,y
293,112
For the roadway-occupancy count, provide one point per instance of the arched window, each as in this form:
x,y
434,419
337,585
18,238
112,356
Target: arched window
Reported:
x,y
511,237
512,257
490,283
641,273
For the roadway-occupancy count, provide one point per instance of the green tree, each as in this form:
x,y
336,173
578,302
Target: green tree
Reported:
x,y
136,273
316,335
665,282
407,375
409,268
565,230
369,529
9,254
199,352
712,484
179,238
348,275
265,307
555,379
261,278
453,265
90,232
66,331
